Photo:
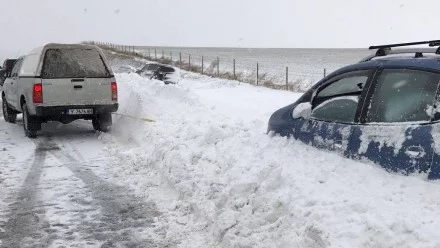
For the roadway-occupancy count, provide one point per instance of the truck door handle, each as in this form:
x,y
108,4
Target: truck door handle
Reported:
x,y
77,86
415,152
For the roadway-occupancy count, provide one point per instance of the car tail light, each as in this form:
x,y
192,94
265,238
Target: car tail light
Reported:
x,y
37,93
114,91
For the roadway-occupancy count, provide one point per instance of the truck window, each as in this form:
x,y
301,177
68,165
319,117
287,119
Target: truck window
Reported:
x,y
73,63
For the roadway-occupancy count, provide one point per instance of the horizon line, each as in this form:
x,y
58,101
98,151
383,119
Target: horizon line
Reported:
x,y
359,48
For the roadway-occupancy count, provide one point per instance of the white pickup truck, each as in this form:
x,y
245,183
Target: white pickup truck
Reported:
x,y
61,82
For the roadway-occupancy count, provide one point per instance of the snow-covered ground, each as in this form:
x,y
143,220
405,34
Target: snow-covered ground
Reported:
x,y
205,174
235,186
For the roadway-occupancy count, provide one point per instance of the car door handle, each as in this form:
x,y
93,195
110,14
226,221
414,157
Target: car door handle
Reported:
x,y
415,152
77,86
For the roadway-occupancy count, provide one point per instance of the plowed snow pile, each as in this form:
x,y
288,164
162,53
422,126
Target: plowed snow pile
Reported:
x,y
238,187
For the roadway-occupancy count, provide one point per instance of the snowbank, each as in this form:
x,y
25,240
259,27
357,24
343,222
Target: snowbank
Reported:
x,y
238,187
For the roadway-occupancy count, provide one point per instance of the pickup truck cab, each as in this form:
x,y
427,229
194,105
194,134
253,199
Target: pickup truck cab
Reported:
x,y
61,82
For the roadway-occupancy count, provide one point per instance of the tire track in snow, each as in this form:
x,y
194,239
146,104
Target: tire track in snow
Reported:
x,y
26,225
122,215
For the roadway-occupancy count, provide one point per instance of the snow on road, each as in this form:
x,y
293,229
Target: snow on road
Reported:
x,y
205,174
238,187
51,195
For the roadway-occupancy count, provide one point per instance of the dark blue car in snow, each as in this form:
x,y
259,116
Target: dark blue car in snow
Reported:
x,y
385,109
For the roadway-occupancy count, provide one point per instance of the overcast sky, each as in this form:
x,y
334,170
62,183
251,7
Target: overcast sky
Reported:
x,y
225,23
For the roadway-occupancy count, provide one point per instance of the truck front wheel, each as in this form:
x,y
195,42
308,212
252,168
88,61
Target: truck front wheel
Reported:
x,y
8,113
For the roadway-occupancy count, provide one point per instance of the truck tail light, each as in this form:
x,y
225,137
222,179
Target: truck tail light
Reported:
x,y
37,93
114,91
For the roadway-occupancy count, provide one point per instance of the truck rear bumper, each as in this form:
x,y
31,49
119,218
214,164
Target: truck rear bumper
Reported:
x,y
45,111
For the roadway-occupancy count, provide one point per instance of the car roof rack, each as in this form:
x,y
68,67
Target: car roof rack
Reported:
x,y
384,50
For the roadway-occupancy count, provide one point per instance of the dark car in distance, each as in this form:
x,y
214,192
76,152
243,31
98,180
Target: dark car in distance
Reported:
x,y
385,109
167,74
6,70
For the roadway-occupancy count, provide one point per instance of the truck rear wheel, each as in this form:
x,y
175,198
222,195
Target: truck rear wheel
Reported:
x,y
30,124
102,122
8,113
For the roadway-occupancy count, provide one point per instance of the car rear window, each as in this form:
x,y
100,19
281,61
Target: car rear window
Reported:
x,y
73,63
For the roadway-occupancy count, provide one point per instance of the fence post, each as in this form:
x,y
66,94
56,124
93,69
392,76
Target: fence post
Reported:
x,y
325,72
180,60
189,62
163,56
218,66
257,74
287,78
149,54
234,68
171,56
155,53
202,64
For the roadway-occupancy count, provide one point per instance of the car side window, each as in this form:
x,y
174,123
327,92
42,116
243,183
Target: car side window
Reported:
x,y
338,99
16,68
153,67
403,95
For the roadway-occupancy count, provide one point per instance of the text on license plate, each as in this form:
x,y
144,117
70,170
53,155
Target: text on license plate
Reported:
x,y
80,111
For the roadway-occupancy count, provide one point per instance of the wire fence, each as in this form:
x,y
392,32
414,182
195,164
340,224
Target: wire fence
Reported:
x,y
251,72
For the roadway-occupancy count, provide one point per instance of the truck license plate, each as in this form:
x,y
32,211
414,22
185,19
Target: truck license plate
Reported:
x,y
80,111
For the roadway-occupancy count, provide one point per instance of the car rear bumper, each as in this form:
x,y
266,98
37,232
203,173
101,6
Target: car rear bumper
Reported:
x,y
62,110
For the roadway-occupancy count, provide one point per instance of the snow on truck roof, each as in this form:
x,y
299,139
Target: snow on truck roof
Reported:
x,y
32,62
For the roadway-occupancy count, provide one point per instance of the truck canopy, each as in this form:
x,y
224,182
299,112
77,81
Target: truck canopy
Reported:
x,y
81,60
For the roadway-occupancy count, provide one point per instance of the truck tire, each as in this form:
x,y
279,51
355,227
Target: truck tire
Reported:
x,y
102,122
8,113
31,124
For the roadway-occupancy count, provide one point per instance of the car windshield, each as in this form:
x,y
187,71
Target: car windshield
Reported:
x,y
219,124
